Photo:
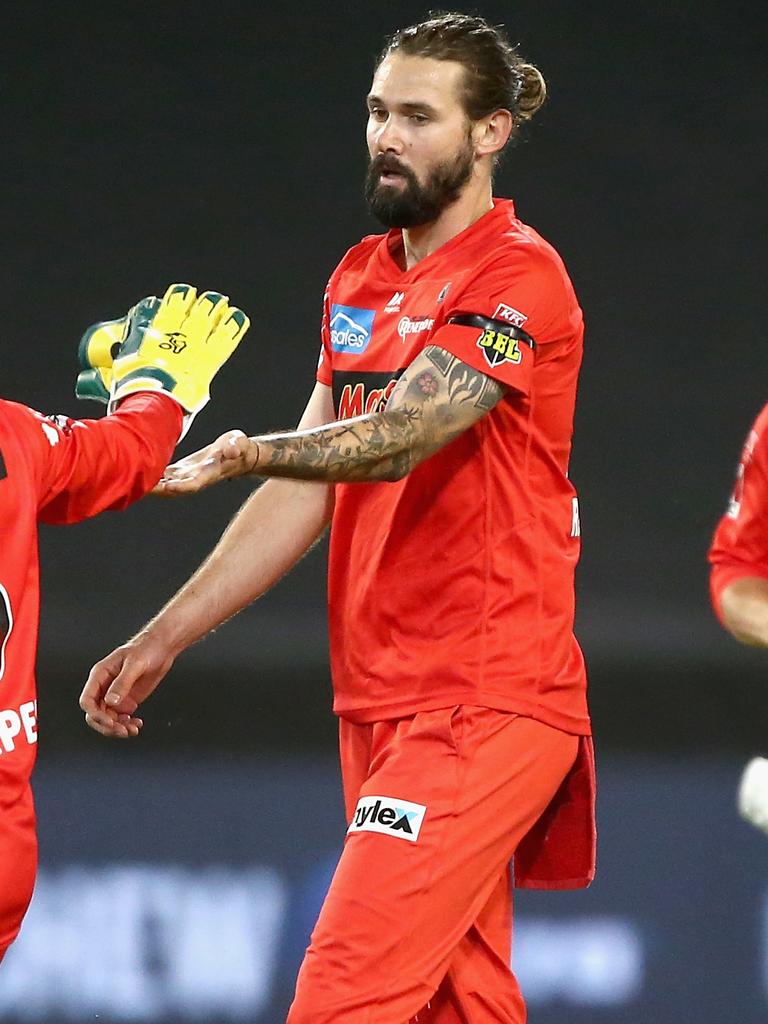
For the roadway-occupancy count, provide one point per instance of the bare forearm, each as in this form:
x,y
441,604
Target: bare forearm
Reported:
x,y
744,606
272,531
435,400
379,446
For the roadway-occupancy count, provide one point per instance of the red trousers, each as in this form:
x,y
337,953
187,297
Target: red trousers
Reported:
x,y
18,864
417,923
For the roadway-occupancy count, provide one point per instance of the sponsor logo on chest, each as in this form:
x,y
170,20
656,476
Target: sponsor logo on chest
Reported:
x,y
351,328
414,325
389,816
358,398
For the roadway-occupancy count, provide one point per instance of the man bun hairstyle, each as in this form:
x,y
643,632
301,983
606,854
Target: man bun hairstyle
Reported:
x,y
495,75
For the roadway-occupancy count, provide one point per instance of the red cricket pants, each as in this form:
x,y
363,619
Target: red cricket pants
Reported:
x,y
18,864
418,918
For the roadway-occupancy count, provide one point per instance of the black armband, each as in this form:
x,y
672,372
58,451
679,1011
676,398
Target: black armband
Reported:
x,y
485,323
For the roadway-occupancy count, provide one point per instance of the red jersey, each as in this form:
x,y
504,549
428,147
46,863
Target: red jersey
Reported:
x,y
57,470
455,584
740,544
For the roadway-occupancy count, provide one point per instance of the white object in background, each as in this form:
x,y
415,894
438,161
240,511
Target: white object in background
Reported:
x,y
753,793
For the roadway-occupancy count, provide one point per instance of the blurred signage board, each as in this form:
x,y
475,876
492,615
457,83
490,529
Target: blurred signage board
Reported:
x,y
189,895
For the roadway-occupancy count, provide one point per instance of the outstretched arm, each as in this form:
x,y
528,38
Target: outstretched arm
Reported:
x,y
270,533
437,398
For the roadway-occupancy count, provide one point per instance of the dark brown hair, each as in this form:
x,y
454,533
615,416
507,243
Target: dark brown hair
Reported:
x,y
495,75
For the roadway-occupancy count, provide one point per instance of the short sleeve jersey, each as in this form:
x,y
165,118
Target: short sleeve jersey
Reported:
x,y
58,470
740,544
456,584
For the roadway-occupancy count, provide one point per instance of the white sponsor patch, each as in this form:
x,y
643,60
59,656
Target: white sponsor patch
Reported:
x,y
394,304
414,326
388,815
510,314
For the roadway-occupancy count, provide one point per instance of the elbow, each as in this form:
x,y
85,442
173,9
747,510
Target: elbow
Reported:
x,y
744,611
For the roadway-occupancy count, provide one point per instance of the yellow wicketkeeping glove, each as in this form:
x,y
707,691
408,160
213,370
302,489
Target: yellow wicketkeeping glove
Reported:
x,y
176,345
96,353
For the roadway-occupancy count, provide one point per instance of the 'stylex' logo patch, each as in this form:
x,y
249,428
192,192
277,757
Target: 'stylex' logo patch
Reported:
x,y
351,329
498,347
389,816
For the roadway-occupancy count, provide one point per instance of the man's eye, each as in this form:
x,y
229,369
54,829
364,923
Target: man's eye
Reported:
x,y
419,118
378,114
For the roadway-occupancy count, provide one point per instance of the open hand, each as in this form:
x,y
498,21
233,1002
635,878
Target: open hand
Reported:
x,y
118,684
232,454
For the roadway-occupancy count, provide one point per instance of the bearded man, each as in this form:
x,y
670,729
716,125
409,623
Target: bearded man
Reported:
x,y
436,444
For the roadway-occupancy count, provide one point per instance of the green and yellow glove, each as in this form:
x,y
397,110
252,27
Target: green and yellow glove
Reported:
x,y
177,345
96,353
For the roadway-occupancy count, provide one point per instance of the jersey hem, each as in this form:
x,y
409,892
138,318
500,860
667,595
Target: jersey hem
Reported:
x,y
576,725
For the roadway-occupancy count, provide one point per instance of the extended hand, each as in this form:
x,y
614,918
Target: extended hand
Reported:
x,y
232,454
118,684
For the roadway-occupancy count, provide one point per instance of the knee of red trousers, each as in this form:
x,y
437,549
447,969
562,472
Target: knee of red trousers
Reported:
x,y
325,995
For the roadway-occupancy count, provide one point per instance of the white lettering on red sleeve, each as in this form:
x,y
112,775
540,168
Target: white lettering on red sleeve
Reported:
x,y
12,721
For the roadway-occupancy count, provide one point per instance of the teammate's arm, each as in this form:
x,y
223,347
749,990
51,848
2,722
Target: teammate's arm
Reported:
x,y
744,610
173,347
437,398
275,527
739,551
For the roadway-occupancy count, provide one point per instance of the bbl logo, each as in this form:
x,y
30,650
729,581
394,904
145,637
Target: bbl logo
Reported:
x,y
498,347
351,329
389,816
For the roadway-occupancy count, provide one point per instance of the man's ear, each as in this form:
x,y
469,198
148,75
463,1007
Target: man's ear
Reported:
x,y
491,133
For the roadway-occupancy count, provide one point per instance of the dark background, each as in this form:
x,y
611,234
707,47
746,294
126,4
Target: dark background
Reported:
x,y
150,143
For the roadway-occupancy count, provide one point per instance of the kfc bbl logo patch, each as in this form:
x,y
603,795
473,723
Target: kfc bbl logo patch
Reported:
x,y
510,314
388,816
498,347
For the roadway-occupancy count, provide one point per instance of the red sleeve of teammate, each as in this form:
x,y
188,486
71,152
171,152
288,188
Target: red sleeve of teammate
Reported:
x,y
524,294
324,369
84,467
740,544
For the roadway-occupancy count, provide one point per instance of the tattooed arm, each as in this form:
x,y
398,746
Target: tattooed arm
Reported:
x,y
437,398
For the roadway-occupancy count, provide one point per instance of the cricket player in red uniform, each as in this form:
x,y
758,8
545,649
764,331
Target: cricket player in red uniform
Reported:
x,y
739,583
436,443
58,470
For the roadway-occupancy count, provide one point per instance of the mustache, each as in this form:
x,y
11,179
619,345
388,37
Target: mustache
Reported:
x,y
385,163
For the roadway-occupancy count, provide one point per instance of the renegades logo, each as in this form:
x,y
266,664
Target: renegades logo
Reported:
x,y
498,347
388,816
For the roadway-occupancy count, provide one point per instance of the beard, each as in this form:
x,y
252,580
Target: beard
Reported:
x,y
413,204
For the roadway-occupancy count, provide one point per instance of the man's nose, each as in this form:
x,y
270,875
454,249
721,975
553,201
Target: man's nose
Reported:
x,y
389,138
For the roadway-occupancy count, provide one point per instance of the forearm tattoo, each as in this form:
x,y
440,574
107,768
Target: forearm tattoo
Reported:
x,y
436,399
